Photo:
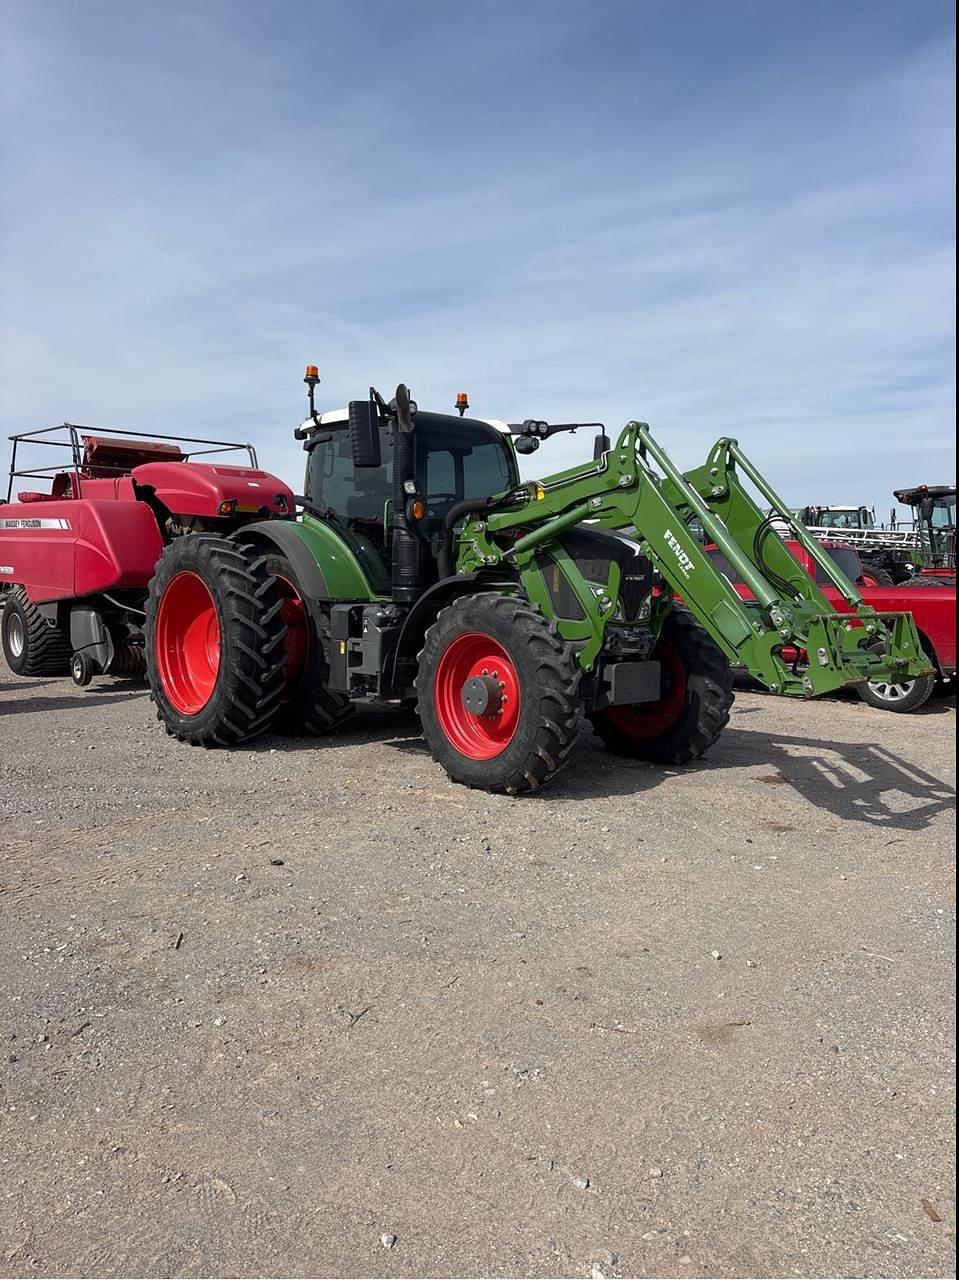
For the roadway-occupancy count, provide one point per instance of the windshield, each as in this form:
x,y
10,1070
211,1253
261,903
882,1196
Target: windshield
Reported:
x,y
846,519
846,560
455,459
944,514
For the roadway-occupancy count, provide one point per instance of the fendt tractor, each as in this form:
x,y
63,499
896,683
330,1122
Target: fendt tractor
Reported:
x,y
424,571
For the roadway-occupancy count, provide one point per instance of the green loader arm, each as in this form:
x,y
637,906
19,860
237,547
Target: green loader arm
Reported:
x,y
621,489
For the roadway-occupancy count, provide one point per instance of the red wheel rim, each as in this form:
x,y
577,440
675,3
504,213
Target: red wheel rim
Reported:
x,y
648,719
297,639
478,737
188,643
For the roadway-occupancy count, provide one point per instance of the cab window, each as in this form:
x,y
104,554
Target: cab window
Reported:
x,y
460,460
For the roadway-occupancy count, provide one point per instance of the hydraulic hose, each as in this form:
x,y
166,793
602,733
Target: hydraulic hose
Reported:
x,y
762,531
444,556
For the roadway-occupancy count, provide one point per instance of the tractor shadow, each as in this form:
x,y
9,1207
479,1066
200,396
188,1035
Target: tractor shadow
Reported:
x,y
941,703
97,695
366,727
861,782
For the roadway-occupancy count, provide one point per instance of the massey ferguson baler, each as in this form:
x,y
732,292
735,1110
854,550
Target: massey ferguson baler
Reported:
x,y
76,556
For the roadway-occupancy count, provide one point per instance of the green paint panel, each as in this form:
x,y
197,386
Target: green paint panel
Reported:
x,y
351,571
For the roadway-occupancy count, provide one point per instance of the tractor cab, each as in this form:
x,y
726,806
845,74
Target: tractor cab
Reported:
x,y
934,518
395,482
454,459
838,517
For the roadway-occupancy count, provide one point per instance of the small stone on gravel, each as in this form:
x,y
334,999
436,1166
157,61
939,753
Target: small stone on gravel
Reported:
x,y
387,1239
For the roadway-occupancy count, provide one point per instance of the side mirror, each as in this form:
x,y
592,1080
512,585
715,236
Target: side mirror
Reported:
x,y
526,444
364,434
927,506
602,444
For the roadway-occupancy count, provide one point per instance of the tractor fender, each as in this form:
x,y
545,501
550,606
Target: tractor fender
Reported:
x,y
437,597
283,536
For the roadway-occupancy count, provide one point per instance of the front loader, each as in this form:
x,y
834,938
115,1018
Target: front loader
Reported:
x,y
423,571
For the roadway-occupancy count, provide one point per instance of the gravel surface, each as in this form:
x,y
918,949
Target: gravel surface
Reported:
x,y
309,1008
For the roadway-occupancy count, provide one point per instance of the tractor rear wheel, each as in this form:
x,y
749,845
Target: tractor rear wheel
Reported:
x,y
31,646
214,642
693,710
307,705
498,694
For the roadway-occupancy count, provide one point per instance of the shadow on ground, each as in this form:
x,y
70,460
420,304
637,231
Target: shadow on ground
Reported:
x,y
98,695
857,782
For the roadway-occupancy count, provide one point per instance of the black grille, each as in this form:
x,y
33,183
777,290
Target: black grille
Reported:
x,y
594,551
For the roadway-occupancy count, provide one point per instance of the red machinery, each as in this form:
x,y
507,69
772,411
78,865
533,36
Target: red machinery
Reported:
x,y
75,561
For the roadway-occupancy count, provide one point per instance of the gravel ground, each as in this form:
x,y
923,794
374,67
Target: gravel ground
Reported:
x,y
309,1008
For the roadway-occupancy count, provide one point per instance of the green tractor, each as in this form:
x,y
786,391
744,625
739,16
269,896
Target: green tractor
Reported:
x,y
423,571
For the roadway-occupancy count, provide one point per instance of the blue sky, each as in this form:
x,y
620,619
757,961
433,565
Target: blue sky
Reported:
x,y
730,218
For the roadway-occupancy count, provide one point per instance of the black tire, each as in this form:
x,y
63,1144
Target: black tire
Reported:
x,y
307,705
31,646
928,580
82,669
694,708
248,682
904,696
881,577
544,670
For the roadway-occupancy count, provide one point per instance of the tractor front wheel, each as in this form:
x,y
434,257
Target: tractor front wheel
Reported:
x,y
693,709
214,642
498,694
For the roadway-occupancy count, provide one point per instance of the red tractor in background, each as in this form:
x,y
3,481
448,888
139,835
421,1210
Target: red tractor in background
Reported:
x,y
75,561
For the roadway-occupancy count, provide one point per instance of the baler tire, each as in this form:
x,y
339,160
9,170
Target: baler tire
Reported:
x,y
247,686
701,712
31,646
308,705
542,667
